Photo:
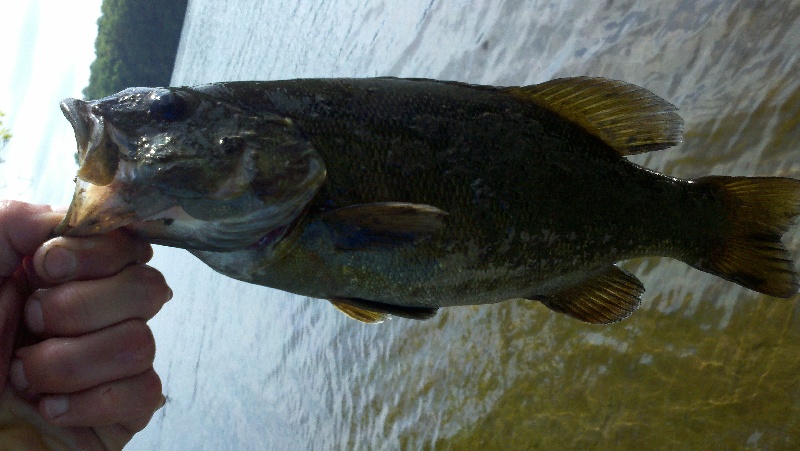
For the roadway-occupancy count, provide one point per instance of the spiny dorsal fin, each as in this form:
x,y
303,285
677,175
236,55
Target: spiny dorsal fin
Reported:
x,y
628,118
377,312
610,297
383,224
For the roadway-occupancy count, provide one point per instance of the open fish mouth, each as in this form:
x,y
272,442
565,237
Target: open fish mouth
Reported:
x,y
99,209
98,143
95,210
83,122
104,198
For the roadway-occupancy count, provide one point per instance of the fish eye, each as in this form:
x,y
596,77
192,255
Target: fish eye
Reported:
x,y
168,107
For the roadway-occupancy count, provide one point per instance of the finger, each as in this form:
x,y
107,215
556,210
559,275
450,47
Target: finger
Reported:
x,y
64,258
10,310
65,365
77,308
107,404
23,228
137,424
114,436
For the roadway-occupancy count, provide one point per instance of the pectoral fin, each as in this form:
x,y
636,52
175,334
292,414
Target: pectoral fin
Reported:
x,y
377,312
610,297
383,224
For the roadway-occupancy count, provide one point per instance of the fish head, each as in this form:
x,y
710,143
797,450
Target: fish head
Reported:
x,y
186,167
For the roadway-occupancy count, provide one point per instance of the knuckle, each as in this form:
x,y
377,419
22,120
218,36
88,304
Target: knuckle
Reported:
x,y
155,289
151,389
144,252
67,308
139,342
9,204
52,365
135,397
111,398
15,207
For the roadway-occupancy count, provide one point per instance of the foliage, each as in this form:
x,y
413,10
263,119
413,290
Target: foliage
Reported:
x,y
136,45
5,134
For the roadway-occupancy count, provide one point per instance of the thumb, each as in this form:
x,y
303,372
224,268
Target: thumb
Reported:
x,y
23,228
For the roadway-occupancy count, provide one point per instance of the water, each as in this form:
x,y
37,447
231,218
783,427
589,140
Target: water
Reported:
x,y
703,363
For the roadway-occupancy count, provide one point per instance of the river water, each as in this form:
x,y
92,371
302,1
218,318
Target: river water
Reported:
x,y
702,364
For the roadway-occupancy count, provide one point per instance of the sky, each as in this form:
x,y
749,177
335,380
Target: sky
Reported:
x,y
47,47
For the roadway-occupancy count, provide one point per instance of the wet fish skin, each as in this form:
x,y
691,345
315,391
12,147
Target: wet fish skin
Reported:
x,y
491,193
139,162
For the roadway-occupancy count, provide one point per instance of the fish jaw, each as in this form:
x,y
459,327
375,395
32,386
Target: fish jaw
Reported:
x,y
102,201
99,209
98,143
83,122
95,210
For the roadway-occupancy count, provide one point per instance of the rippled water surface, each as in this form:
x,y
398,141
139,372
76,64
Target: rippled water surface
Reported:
x,y
702,364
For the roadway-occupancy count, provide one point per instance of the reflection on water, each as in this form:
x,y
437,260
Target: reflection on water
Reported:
x,y
669,380
703,362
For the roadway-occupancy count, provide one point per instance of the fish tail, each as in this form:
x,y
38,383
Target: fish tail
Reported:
x,y
748,249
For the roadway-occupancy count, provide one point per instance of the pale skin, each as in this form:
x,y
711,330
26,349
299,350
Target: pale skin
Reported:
x,y
76,353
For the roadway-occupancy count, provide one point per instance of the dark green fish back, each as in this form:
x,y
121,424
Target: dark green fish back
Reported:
x,y
521,185
492,160
538,200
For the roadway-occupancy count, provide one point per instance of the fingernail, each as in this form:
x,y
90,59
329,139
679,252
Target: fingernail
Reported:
x,y
33,316
18,378
170,294
55,406
60,263
163,401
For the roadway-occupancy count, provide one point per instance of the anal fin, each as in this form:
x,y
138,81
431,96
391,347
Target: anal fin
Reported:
x,y
377,312
360,314
607,298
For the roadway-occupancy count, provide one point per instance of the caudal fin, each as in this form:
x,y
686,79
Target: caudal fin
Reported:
x,y
749,251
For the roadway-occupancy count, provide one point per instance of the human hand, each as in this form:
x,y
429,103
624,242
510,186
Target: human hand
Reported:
x,y
82,376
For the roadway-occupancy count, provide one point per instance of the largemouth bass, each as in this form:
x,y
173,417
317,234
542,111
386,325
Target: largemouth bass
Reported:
x,y
395,196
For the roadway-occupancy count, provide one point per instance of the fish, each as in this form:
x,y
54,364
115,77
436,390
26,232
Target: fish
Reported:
x,y
397,197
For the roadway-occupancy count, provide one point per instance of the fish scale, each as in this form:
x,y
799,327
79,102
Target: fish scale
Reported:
x,y
401,196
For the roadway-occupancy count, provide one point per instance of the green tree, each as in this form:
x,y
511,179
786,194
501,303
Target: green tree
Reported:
x,y
137,41
5,134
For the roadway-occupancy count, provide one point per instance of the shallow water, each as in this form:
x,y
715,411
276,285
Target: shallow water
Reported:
x,y
703,363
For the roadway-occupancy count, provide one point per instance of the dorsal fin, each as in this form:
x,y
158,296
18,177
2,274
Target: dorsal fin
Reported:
x,y
628,118
607,298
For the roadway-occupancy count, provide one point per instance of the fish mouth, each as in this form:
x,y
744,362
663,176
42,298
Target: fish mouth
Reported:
x,y
98,205
93,209
79,115
98,143
97,209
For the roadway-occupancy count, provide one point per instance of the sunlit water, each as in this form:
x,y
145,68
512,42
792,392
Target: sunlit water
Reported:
x,y
702,364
